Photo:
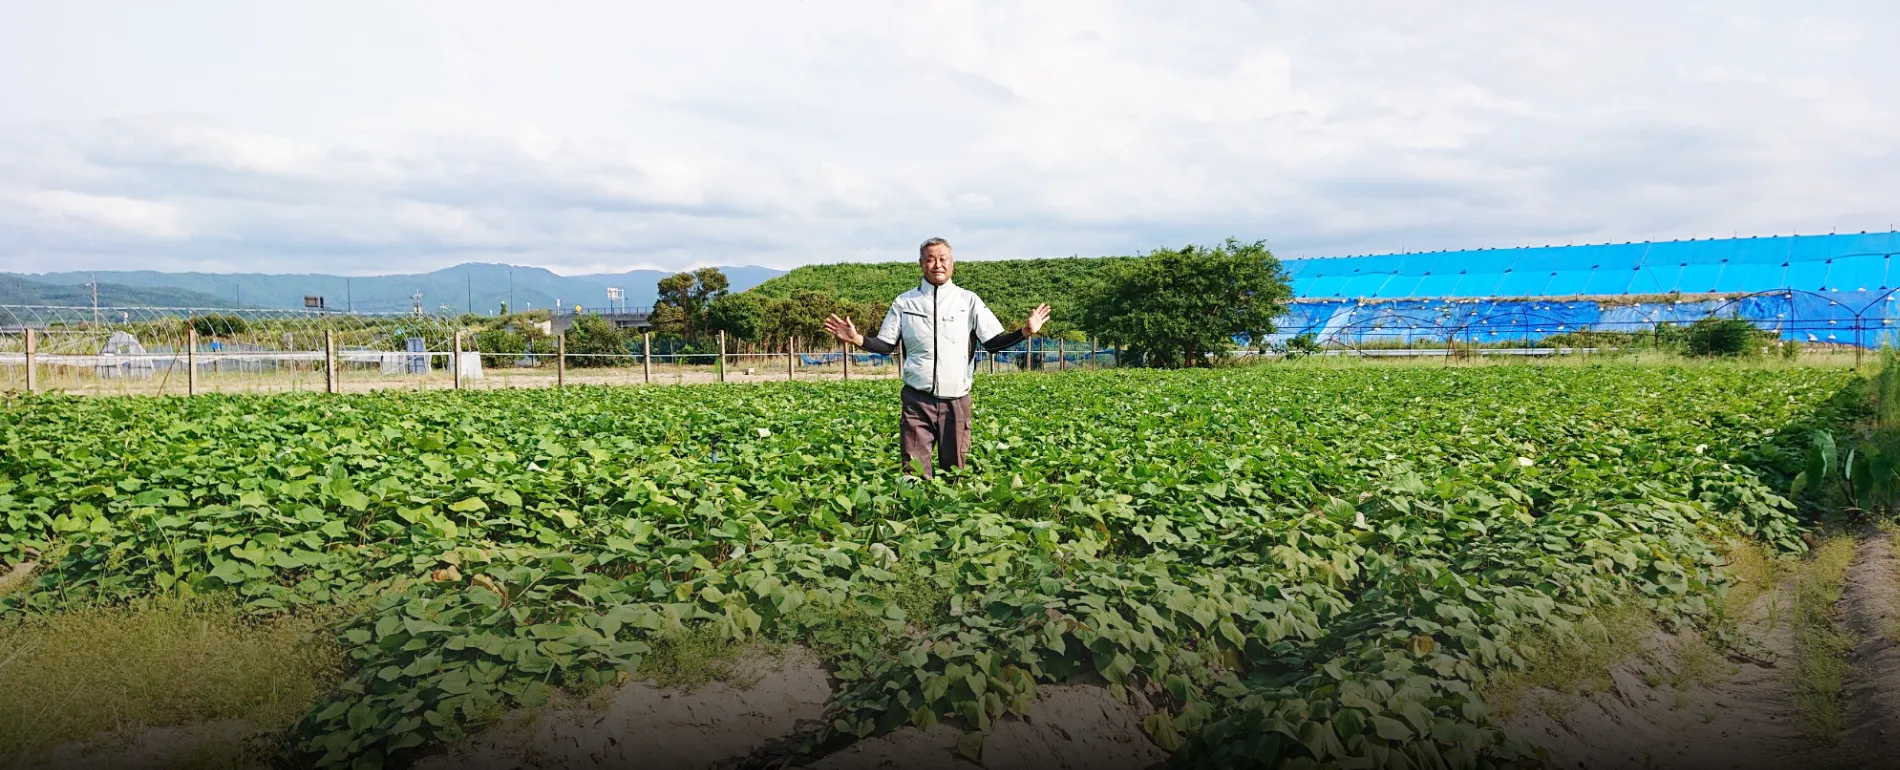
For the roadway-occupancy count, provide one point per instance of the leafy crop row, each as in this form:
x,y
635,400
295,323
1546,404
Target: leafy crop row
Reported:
x,y
1294,567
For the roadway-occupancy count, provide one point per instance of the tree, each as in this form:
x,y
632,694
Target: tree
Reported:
x,y
740,315
1174,307
690,294
668,320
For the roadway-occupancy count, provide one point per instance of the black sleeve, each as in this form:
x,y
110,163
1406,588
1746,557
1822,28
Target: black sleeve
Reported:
x,y
1003,340
878,346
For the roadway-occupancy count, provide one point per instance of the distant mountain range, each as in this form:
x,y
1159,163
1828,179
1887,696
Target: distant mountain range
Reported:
x,y
19,290
476,286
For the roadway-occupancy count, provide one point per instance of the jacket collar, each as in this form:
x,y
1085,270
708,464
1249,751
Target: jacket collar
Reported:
x,y
924,285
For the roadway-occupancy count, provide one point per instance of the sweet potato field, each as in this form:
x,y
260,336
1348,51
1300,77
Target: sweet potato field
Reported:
x,y
1313,567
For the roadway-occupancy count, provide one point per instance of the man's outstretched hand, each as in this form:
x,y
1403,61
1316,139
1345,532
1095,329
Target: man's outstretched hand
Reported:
x,y
1037,318
844,330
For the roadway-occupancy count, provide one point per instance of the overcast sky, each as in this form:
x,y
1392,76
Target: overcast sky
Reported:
x,y
375,137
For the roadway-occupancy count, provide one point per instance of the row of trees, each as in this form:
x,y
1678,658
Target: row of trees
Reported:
x,y
1170,308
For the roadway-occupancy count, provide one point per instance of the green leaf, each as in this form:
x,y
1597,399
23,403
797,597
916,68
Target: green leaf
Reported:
x,y
971,745
1391,729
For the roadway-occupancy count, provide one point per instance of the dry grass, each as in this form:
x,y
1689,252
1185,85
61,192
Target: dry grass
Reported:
x,y
1572,663
106,675
1821,645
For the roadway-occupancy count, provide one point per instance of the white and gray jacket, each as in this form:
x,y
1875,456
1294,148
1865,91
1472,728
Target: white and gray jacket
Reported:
x,y
941,327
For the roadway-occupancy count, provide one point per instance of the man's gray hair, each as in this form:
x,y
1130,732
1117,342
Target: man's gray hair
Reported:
x,y
925,249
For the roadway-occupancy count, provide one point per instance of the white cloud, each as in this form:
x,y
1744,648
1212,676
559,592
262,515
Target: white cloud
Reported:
x,y
360,137
64,214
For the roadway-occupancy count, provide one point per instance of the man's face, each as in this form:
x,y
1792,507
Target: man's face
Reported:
x,y
937,264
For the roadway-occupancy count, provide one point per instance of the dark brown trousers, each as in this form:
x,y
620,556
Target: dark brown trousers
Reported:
x,y
930,422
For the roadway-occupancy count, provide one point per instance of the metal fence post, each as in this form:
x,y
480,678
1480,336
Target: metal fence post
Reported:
x,y
722,356
791,359
646,356
844,357
456,364
32,374
560,359
1061,357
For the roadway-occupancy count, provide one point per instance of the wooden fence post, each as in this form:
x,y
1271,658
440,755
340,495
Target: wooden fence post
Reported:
x,y
646,356
560,360
191,362
330,380
32,373
844,357
791,359
722,356
1061,357
456,363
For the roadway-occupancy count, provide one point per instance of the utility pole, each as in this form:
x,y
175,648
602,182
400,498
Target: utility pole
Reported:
x,y
511,289
95,298
348,295
417,297
471,291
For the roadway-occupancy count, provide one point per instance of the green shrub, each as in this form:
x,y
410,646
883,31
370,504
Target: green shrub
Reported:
x,y
592,339
1299,346
219,325
1723,337
502,346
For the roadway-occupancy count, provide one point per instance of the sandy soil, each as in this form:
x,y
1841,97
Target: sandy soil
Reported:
x,y
213,744
1870,603
721,725
648,727
16,576
1748,718
1069,727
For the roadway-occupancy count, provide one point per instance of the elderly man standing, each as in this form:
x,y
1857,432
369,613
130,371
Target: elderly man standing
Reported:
x,y
941,325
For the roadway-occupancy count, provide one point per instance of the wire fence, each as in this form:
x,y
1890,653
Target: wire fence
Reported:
x,y
85,350
185,351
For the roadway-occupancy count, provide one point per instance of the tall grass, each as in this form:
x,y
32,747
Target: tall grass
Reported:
x,y
92,675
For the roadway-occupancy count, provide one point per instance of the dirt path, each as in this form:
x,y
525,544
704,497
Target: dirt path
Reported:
x,y
1742,714
1870,604
1068,728
1747,720
722,724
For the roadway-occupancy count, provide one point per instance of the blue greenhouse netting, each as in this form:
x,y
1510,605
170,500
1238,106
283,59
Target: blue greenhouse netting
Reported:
x,y
1862,318
1822,289
1818,263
